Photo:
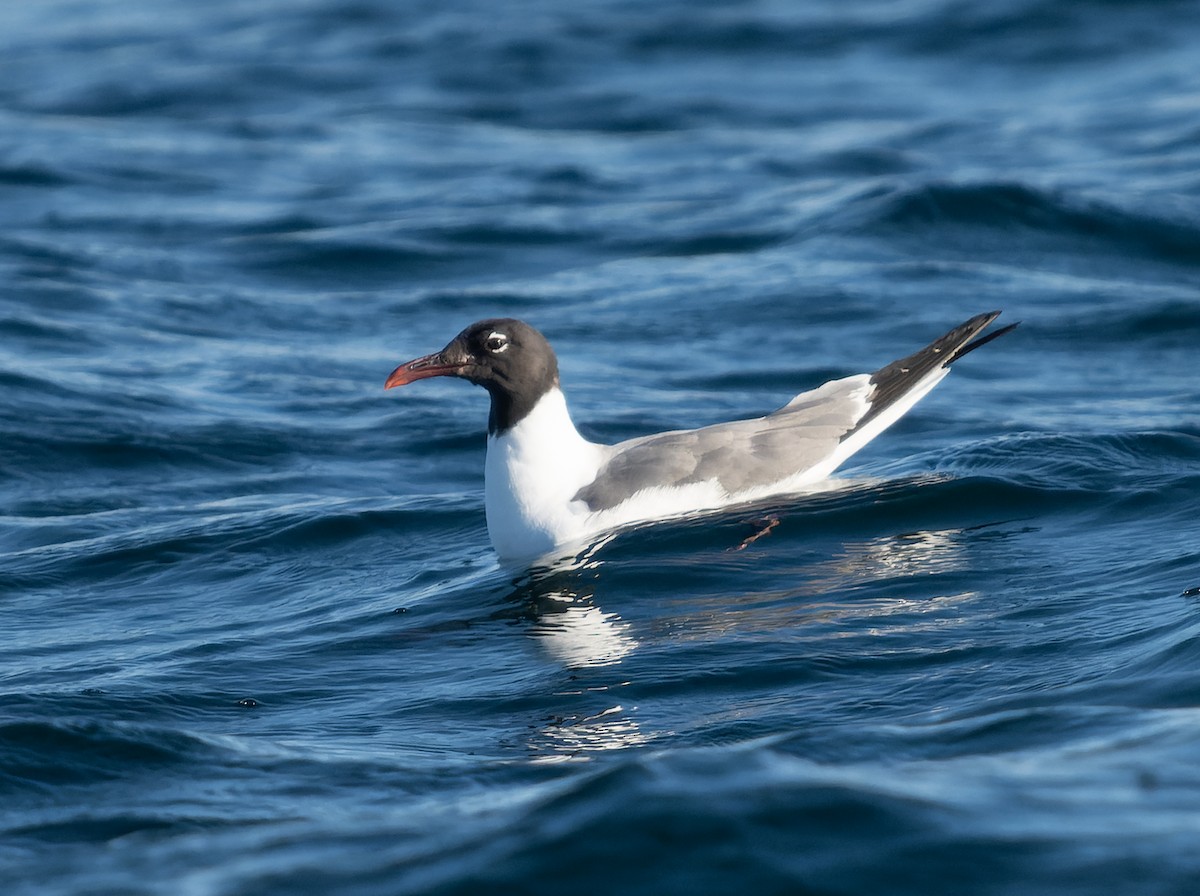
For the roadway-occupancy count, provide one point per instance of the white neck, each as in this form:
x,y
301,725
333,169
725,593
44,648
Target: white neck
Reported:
x,y
533,471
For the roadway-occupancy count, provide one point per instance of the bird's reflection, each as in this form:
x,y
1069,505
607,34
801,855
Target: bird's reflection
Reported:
x,y
577,737
584,635
559,601
853,589
910,554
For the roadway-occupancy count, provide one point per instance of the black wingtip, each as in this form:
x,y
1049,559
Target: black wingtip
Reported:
x,y
983,340
895,380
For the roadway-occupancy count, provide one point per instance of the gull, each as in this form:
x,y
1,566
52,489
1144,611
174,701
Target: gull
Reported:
x,y
546,487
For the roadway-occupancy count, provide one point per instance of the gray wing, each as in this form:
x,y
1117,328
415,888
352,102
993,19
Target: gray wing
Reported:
x,y
766,450
740,455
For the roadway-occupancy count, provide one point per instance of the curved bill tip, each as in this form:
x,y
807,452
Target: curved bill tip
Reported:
x,y
421,368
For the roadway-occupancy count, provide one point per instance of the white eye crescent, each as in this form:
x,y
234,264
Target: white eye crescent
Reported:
x,y
496,342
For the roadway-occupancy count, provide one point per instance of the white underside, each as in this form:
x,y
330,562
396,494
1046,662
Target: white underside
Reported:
x,y
535,469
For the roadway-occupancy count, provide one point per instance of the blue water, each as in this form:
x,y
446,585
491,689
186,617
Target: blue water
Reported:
x,y
254,638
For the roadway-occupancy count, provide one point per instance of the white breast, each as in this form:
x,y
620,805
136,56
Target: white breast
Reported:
x,y
533,471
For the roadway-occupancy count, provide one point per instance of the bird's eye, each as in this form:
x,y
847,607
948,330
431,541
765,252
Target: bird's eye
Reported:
x,y
496,342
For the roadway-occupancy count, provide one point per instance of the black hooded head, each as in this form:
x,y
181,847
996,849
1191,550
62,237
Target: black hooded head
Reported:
x,y
509,358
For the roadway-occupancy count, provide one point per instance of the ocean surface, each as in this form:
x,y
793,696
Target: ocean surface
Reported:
x,y
254,639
